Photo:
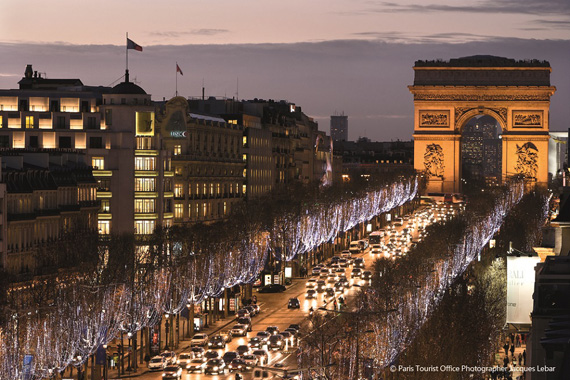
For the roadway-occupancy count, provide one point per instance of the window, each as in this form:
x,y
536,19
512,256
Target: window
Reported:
x,y
225,208
29,122
65,141
178,170
218,189
34,142
145,184
98,163
243,188
145,163
144,227
105,205
177,150
205,209
212,189
205,189
104,227
179,190
103,184
96,142
244,157
60,122
178,212
145,205
91,123
244,141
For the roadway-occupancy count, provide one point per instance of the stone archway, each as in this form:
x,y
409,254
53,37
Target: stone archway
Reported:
x,y
448,94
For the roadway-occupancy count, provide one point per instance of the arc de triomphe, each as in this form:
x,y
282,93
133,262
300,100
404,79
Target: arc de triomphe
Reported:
x,y
447,94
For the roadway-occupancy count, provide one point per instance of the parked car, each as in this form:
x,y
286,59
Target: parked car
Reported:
x,y
242,313
262,356
239,330
157,363
196,365
273,288
246,321
199,340
229,356
293,303
252,311
172,372
215,366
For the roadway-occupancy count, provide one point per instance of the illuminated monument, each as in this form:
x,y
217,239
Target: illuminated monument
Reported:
x,y
448,94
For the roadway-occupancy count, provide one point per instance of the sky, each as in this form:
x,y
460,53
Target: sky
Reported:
x,y
351,56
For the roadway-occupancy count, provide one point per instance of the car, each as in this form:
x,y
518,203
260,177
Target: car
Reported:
x,y
339,287
356,273
199,340
295,326
343,263
246,321
272,330
262,356
364,243
242,349
355,247
239,330
250,360
238,364
291,331
256,307
217,342
157,363
184,358
215,366
286,335
263,335
242,313
316,270
330,282
358,262
229,356
376,248
169,357
311,294
321,286
196,365
293,303
226,335
276,342
211,354
345,255
366,275
273,288
197,352
311,283
252,310
255,342
324,273
329,293
172,372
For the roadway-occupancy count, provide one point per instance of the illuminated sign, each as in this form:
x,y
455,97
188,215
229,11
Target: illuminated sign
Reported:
x,y
178,134
145,123
520,287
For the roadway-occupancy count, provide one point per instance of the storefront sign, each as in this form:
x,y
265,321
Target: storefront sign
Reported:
x,y
178,134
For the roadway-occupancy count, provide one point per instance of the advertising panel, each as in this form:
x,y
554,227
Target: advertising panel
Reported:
x,y
145,123
520,287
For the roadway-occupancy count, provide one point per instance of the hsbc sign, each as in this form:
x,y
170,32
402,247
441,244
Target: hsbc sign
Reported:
x,y
178,134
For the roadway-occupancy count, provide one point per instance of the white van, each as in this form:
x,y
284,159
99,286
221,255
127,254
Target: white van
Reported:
x,y
355,246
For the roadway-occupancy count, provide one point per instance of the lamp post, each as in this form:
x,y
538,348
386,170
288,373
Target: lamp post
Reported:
x,y
129,336
166,330
105,365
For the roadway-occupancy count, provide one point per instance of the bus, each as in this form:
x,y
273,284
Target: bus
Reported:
x,y
376,237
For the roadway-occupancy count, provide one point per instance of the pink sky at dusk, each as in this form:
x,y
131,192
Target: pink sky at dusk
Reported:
x,y
327,56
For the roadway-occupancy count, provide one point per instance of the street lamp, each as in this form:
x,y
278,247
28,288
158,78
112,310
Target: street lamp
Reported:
x,y
129,336
166,330
105,365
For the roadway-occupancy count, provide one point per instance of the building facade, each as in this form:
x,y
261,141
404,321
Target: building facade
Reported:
x,y
339,127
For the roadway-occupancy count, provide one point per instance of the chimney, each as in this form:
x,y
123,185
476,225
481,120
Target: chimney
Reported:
x,y
29,72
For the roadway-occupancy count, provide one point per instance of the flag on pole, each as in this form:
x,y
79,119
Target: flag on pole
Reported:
x,y
133,45
178,70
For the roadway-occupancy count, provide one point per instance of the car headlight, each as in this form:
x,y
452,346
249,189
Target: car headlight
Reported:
x,y
164,374
215,368
279,343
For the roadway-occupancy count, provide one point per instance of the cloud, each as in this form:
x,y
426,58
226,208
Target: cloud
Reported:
x,y
193,32
532,7
9,75
558,24
400,37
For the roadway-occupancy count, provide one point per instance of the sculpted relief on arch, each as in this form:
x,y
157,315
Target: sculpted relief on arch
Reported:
x,y
527,160
433,160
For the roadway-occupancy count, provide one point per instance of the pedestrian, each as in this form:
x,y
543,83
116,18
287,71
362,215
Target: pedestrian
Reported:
x,y
506,348
512,336
524,357
335,305
254,299
513,350
520,358
506,361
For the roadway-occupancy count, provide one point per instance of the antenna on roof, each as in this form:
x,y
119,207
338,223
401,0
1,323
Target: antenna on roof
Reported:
x,y
237,89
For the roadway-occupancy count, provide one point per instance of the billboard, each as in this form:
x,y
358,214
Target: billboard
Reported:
x,y
145,123
520,287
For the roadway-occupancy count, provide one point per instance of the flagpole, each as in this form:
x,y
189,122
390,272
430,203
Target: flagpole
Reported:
x,y
176,78
127,49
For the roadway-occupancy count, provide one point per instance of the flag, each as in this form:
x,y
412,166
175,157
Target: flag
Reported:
x,y
178,70
133,45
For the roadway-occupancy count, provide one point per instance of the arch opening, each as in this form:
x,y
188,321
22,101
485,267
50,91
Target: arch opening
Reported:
x,y
481,152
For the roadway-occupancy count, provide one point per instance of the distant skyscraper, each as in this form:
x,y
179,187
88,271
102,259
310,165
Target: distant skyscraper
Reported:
x,y
481,149
339,127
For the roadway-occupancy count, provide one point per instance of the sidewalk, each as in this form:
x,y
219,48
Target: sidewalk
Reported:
x,y
514,361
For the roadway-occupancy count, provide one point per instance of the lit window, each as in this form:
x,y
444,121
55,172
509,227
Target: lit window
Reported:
x,y
218,189
211,189
244,141
178,170
244,188
144,205
145,163
178,213
145,184
205,190
225,208
244,157
205,207
179,190
29,122
177,150
144,227
104,227
98,163
105,205
244,173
